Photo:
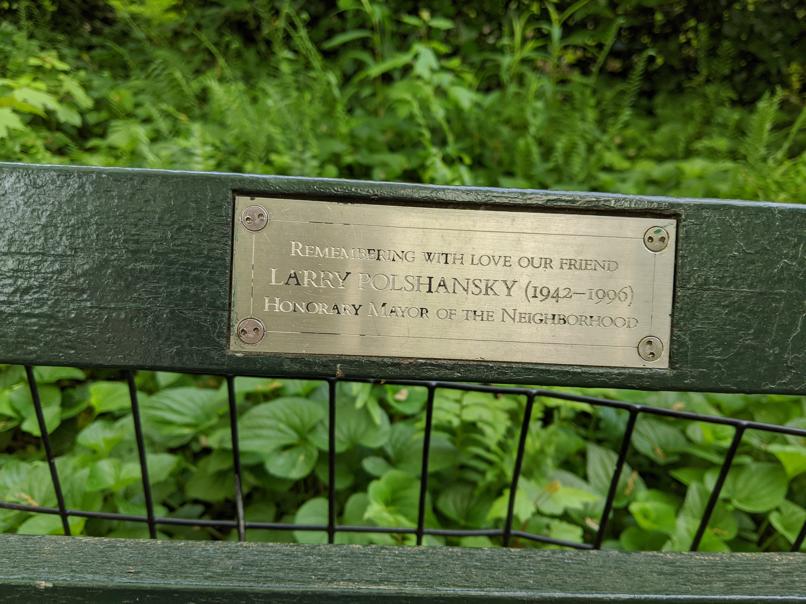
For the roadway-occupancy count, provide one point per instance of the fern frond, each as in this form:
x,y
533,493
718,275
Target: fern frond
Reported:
x,y
630,94
757,135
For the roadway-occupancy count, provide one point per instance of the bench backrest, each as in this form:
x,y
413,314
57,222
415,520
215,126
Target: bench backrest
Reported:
x,y
147,269
132,268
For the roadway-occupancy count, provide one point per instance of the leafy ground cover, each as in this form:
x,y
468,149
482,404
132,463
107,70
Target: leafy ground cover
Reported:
x,y
570,456
673,98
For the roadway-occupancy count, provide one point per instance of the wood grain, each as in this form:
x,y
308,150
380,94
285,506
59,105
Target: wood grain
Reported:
x,y
122,268
65,569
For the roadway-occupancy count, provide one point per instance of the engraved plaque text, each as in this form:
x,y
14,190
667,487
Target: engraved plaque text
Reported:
x,y
524,286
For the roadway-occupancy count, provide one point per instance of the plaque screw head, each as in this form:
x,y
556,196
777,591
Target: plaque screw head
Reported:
x,y
251,331
656,239
254,218
650,348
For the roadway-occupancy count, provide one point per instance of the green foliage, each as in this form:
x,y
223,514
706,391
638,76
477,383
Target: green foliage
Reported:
x,y
281,435
640,97
568,463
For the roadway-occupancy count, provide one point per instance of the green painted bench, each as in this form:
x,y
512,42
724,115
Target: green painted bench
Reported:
x,y
131,269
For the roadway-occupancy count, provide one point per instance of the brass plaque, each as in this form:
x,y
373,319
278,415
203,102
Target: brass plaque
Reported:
x,y
313,277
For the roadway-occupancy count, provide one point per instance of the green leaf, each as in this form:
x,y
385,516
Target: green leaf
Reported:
x,y
28,483
49,60
293,462
264,511
462,96
798,422
345,37
175,416
425,63
355,509
313,511
476,542
300,388
112,474
462,503
50,375
443,453
554,528
396,61
361,392
634,539
49,396
9,418
53,418
137,506
167,379
558,495
248,386
709,435
345,472
440,23
74,472
37,99
376,466
210,482
68,115
559,529
688,475
788,520
354,427
11,375
792,457
757,487
601,465
723,525
393,500
74,400
50,524
406,399
9,121
412,20
657,496
261,511
405,450
106,397
525,502
74,89
355,515
5,404
654,516
282,433
658,440
161,466
103,435
9,519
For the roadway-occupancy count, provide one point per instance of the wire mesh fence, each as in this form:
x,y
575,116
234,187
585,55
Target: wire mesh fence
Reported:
x,y
507,533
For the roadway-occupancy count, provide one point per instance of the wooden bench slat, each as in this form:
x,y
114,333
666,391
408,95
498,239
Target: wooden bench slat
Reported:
x,y
87,569
131,268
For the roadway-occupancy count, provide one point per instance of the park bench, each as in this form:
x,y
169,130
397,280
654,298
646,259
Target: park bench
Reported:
x,y
148,269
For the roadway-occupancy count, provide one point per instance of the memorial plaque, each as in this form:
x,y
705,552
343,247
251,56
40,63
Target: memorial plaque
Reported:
x,y
521,286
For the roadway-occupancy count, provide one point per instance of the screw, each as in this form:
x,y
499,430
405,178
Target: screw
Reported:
x,y
254,218
251,331
650,348
656,239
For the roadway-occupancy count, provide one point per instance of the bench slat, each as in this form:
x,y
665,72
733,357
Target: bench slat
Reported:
x,y
131,268
95,569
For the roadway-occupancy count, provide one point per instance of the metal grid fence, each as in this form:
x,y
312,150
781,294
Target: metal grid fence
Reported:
x,y
506,533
